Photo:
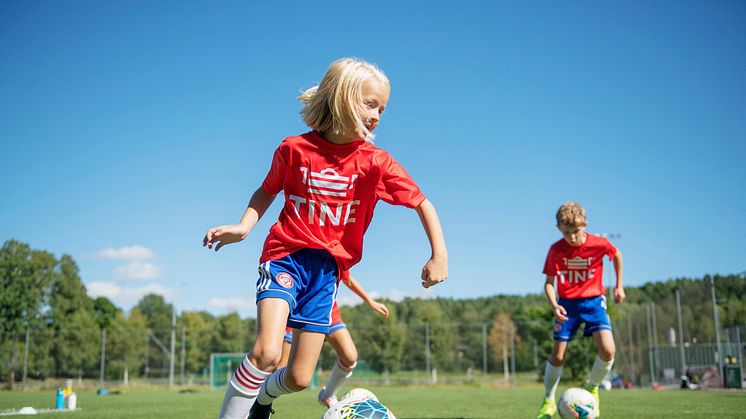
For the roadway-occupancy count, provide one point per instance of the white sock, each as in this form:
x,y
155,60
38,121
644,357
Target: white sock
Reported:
x,y
552,376
600,370
337,378
242,390
274,387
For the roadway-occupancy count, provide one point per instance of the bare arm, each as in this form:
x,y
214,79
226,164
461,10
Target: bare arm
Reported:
x,y
435,270
559,312
355,286
619,295
227,234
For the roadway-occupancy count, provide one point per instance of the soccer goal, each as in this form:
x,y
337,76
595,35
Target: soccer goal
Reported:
x,y
222,366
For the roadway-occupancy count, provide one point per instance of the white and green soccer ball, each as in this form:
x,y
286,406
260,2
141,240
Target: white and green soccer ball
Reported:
x,y
359,403
577,403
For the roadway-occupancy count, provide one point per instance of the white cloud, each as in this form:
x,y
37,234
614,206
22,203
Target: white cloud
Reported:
x,y
397,296
128,253
128,296
137,271
136,267
232,304
347,298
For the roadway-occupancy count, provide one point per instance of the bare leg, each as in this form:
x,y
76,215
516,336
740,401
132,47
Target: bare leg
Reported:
x,y
285,355
249,376
553,369
344,346
346,351
272,317
297,375
303,357
605,360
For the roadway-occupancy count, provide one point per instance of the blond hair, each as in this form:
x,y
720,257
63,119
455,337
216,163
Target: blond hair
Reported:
x,y
336,104
571,214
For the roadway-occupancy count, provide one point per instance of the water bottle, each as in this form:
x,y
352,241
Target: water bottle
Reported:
x,y
60,399
72,401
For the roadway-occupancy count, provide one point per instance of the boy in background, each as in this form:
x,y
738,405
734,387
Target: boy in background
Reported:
x,y
576,261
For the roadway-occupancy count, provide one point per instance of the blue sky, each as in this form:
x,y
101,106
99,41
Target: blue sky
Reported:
x,y
129,128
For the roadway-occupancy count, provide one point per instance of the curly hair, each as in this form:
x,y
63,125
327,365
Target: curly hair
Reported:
x,y
571,214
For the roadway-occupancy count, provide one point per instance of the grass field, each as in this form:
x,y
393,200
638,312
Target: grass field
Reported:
x,y
408,402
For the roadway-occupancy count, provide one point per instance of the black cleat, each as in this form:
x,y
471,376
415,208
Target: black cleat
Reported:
x,y
260,411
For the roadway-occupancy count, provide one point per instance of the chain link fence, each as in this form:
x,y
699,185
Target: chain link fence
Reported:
x,y
677,340
657,343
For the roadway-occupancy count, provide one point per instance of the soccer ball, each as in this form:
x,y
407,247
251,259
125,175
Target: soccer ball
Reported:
x,y
577,403
358,395
359,403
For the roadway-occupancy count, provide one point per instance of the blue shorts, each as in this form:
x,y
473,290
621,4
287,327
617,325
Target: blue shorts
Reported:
x,y
335,327
307,280
591,311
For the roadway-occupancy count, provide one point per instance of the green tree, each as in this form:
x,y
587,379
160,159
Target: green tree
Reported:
x,y
105,312
158,314
579,358
499,340
380,342
231,334
199,335
126,344
427,318
25,276
77,335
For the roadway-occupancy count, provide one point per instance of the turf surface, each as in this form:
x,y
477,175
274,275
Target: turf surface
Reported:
x,y
408,402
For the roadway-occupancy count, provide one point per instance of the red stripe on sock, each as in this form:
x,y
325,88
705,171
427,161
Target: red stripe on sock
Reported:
x,y
246,375
251,376
243,383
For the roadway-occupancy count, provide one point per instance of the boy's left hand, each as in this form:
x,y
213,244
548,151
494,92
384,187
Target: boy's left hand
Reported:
x,y
619,295
434,272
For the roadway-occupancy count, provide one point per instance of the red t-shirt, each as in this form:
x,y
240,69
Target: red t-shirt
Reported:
x,y
330,193
579,269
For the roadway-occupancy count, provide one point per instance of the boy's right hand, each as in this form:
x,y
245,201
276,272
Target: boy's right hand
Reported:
x,y
434,272
220,236
380,308
560,313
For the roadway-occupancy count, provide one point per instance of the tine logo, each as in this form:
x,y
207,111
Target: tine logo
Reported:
x,y
327,182
577,263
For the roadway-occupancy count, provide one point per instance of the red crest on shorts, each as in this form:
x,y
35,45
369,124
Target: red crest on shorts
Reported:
x,y
557,326
284,279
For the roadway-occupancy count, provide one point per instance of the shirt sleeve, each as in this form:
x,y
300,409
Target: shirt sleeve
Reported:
x,y
273,182
396,187
344,276
610,250
550,267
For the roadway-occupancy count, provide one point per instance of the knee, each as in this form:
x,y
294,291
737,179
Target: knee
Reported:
x,y
607,354
265,358
297,381
557,359
348,358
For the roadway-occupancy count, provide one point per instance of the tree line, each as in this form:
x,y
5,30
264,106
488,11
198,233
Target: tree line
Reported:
x,y
44,297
